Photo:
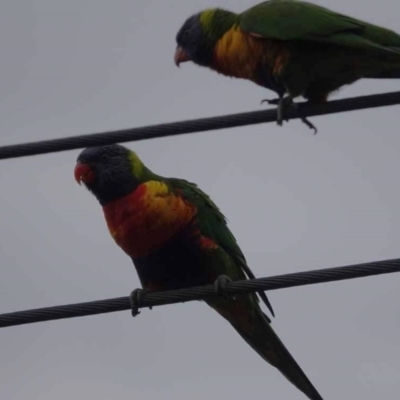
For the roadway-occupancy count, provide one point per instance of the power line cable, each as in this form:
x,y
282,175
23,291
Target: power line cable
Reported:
x,y
195,125
202,292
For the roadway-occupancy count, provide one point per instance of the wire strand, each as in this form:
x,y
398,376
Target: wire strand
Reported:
x,y
201,293
195,125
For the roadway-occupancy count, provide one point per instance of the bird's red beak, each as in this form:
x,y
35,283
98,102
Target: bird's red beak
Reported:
x,y
180,56
83,173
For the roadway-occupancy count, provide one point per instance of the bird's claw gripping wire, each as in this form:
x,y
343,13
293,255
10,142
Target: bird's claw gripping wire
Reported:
x,y
136,299
220,285
284,103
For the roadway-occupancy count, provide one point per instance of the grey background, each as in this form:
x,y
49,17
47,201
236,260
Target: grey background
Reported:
x,y
293,200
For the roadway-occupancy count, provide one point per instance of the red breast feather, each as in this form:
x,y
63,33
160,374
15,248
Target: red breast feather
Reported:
x,y
144,220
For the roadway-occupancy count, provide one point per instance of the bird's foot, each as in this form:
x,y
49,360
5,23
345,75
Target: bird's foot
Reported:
x,y
220,286
297,107
136,298
273,102
284,104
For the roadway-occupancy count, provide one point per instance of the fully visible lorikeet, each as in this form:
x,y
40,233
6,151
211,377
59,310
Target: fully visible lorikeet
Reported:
x,y
290,47
178,238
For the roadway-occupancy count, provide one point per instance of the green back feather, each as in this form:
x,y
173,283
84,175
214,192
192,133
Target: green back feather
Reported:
x,y
299,20
211,221
212,224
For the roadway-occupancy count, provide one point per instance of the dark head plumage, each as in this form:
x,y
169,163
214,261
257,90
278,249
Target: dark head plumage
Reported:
x,y
109,172
199,33
192,43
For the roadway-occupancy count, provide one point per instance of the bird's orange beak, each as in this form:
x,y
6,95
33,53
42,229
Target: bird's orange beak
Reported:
x,y
83,173
180,56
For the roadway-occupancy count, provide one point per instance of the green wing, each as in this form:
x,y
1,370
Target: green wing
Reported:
x,y
298,20
213,225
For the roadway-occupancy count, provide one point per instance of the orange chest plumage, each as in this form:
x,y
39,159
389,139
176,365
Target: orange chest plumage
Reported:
x,y
146,219
241,55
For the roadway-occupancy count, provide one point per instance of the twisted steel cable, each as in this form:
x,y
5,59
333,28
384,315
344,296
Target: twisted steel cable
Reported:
x,y
195,125
202,292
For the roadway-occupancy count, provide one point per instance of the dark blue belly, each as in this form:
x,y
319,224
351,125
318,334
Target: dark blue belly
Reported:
x,y
268,81
178,264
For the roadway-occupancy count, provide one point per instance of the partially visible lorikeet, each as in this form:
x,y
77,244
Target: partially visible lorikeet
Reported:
x,y
178,238
291,47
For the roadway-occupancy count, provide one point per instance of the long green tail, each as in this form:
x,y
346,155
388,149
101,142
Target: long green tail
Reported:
x,y
253,326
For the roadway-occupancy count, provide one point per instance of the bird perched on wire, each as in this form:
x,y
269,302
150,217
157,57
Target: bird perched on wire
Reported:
x,y
178,238
291,47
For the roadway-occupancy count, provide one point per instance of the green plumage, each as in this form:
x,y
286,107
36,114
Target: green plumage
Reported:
x,y
140,207
300,20
212,224
292,47
243,312
332,45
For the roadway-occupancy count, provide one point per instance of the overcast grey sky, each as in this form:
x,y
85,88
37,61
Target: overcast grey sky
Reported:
x,y
294,201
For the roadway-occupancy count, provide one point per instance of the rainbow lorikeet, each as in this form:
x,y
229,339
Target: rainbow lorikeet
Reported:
x,y
290,47
178,238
